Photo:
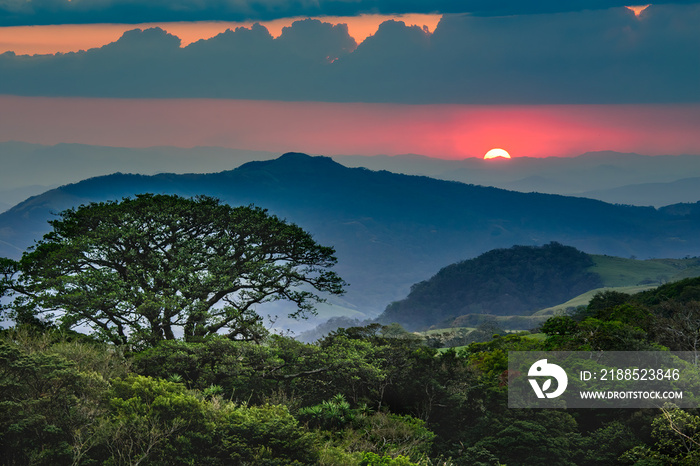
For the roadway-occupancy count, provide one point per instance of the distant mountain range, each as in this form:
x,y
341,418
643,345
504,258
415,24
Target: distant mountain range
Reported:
x,y
654,194
618,178
609,176
26,168
389,230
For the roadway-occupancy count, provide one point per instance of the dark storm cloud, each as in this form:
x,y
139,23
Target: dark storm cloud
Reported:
x,y
34,12
603,56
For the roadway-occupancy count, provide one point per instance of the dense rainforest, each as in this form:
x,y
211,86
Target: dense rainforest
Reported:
x,y
363,395
135,341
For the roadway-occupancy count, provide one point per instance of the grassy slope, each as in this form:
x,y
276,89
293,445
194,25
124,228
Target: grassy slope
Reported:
x,y
535,336
583,299
617,271
445,330
625,275
630,276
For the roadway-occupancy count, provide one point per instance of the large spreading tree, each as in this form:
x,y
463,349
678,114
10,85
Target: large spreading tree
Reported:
x,y
156,267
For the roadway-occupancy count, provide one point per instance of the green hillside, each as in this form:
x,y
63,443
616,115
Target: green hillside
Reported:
x,y
522,285
503,282
629,276
618,271
584,299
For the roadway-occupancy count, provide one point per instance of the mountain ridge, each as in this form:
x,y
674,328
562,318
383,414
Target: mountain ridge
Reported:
x,y
69,163
389,230
593,171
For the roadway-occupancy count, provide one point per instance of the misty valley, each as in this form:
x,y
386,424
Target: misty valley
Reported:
x,y
306,310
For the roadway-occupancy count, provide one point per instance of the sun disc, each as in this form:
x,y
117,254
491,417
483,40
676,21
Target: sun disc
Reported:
x,y
495,153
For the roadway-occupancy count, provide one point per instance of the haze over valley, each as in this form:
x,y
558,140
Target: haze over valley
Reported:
x,y
392,230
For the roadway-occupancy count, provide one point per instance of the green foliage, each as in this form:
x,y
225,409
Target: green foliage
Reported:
x,y
676,435
683,290
157,422
606,300
371,369
361,430
611,322
678,325
329,415
362,395
135,271
491,358
477,456
48,408
545,437
267,435
606,444
239,368
146,415
53,413
335,455
372,459
251,372
484,331
559,325
392,435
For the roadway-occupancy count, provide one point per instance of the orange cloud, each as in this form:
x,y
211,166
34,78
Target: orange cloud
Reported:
x,y
638,9
30,40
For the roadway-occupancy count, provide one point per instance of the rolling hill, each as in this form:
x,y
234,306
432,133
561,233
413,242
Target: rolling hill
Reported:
x,y
527,281
389,230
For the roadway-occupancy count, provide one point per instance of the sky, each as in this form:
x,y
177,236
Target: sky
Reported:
x,y
448,79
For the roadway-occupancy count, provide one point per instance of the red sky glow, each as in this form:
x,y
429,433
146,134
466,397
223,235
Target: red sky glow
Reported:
x,y
444,131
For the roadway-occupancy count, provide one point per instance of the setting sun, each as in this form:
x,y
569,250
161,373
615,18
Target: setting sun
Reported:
x,y
496,153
